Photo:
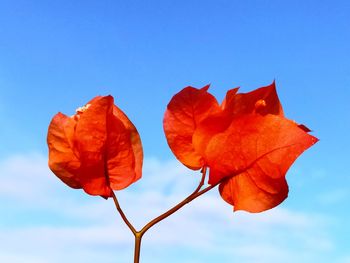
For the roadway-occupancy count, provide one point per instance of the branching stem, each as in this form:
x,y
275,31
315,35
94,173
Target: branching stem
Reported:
x,y
125,219
138,234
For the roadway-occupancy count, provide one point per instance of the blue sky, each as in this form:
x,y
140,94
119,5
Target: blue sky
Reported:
x,y
57,55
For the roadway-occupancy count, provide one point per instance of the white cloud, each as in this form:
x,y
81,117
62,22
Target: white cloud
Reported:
x,y
24,177
66,225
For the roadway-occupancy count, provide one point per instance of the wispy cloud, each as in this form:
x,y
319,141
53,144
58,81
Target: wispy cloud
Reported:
x,y
65,225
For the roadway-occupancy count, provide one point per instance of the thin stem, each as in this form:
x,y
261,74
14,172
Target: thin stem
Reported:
x,y
127,222
138,238
188,199
139,234
201,183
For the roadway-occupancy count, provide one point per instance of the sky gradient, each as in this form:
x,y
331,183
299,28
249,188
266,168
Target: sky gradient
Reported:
x,y
57,55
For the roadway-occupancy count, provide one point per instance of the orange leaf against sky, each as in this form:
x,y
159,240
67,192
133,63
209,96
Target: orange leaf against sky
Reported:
x,y
263,100
185,111
247,143
97,149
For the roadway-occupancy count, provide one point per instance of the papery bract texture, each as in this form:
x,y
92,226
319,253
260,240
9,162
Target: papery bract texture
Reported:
x,y
247,143
97,149
184,113
259,162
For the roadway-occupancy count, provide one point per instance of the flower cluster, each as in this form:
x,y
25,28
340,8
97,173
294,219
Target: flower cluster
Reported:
x,y
246,142
97,149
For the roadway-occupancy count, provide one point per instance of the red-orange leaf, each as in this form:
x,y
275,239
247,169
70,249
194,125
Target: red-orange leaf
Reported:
x,y
256,180
235,105
251,137
248,144
98,149
135,143
62,159
242,192
184,113
263,100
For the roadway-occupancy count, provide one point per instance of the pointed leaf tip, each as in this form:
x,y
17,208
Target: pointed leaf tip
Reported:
x,y
206,87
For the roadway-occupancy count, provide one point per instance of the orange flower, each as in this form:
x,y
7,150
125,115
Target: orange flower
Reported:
x,y
246,142
97,149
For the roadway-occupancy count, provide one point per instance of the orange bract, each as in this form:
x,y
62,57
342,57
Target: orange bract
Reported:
x,y
247,143
98,149
184,113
